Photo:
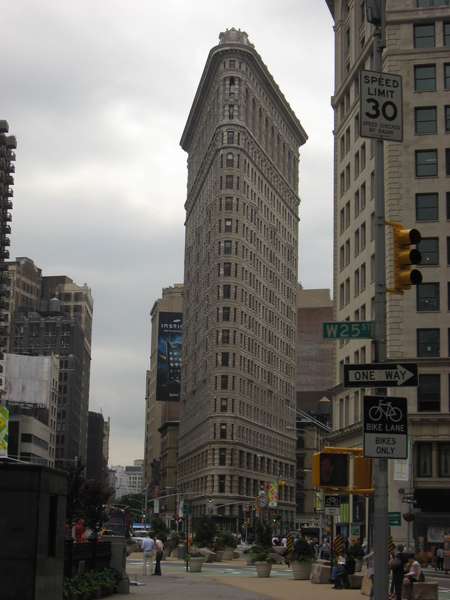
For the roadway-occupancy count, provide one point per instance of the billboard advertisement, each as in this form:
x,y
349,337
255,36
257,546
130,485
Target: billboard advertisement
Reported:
x,y
170,327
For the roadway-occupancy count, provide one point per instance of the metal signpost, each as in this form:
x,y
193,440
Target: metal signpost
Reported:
x,y
381,374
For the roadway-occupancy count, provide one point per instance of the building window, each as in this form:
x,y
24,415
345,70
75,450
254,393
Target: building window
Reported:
x,y
230,137
230,159
426,119
427,208
424,459
447,118
428,343
229,182
222,457
446,34
429,249
447,161
227,247
428,297
424,36
427,3
227,269
228,203
226,291
447,76
226,313
223,404
429,393
426,163
221,484
444,459
224,382
424,77
231,112
223,431
225,336
228,225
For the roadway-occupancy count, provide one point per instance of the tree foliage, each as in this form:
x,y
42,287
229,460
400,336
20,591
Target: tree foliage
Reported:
x,y
86,498
264,534
205,532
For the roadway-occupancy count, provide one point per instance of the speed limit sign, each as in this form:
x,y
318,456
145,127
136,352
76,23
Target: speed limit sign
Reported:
x,y
381,106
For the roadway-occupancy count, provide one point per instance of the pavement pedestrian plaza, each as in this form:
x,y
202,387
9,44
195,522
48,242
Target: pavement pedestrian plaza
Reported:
x,y
228,580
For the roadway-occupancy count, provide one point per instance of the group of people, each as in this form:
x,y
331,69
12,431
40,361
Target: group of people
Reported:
x,y
406,570
149,546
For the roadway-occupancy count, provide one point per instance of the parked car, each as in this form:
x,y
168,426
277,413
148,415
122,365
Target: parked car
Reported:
x,y
138,536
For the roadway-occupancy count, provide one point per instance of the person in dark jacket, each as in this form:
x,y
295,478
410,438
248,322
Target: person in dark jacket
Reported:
x,y
341,578
398,573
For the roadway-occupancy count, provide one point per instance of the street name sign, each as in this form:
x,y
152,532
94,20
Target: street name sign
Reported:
x,y
187,509
381,106
381,375
339,330
385,427
395,519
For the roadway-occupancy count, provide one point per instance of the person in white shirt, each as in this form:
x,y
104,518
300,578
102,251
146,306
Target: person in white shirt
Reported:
x,y
148,545
414,571
159,547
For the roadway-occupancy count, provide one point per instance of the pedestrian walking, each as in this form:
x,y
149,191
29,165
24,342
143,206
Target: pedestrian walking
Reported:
x,y
159,547
148,546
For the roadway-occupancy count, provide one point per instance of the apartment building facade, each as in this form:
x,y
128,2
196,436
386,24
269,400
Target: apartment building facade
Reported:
x,y
416,173
53,315
241,262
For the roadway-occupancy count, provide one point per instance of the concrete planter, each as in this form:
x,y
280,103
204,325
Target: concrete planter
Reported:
x,y
228,554
301,570
263,568
219,556
196,564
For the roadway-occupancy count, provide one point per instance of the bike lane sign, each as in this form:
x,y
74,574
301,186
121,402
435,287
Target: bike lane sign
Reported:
x,y
385,427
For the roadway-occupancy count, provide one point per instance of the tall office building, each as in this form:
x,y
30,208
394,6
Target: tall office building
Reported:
x,y
162,399
7,158
53,315
240,284
416,173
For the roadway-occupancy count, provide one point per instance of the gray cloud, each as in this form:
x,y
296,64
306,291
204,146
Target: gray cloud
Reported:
x,y
98,93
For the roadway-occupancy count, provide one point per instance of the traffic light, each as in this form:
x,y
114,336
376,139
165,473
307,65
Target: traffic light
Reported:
x,y
210,499
261,487
275,517
282,483
362,473
404,257
330,469
143,514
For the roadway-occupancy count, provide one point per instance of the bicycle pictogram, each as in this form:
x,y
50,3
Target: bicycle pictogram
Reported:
x,y
385,408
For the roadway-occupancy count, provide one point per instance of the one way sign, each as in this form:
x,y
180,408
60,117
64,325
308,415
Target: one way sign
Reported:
x,y
381,375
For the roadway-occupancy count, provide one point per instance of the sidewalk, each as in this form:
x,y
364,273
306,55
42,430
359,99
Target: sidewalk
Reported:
x,y
176,584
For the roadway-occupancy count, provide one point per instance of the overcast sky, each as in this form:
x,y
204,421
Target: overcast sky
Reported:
x,y
97,93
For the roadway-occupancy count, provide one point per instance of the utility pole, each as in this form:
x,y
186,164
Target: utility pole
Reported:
x,y
376,14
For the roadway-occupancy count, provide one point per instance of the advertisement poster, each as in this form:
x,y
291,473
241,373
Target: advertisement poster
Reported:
x,y
168,376
4,420
273,495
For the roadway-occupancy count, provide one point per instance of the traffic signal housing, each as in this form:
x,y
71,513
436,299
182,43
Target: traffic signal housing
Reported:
x,y
210,499
330,470
404,257
362,473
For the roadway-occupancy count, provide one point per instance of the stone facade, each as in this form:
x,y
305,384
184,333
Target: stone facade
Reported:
x,y
239,319
416,195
